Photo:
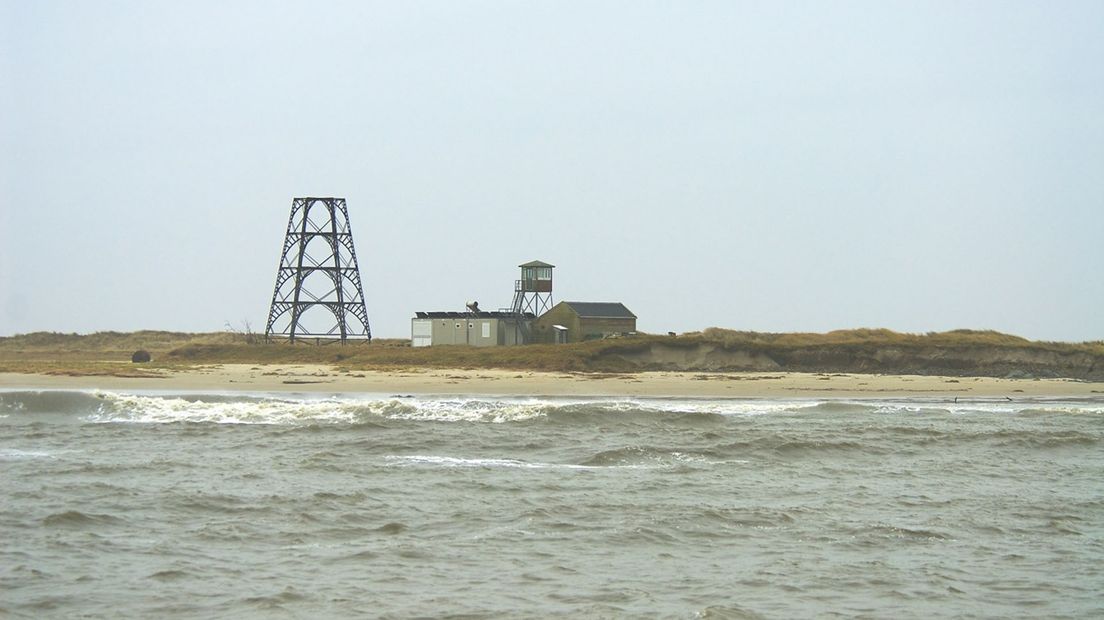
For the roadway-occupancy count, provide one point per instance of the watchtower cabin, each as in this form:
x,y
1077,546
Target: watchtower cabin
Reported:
x,y
533,292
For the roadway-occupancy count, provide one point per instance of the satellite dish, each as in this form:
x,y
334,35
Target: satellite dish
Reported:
x,y
473,306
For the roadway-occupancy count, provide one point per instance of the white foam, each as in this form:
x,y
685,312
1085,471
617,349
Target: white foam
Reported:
x,y
989,407
450,461
716,407
23,455
153,410
162,409
274,410
492,411
747,408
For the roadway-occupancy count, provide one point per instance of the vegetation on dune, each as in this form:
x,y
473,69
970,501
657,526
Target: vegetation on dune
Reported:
x,y
864,349
958,338
108,341
100,353
577,357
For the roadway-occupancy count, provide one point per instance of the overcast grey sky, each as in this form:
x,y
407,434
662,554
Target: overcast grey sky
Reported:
x,y
771,166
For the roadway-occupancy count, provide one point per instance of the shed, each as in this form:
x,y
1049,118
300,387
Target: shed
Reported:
x,y
583,320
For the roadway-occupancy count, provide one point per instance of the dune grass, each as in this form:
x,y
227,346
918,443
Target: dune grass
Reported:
x,y
958,338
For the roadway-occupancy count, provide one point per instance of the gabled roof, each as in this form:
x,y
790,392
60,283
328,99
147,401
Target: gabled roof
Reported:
x,y
536,263
600,309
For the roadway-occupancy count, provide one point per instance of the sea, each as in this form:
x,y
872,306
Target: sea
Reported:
x,y
213,505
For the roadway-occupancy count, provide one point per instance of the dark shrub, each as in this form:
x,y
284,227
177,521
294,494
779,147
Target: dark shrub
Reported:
x,y
140,357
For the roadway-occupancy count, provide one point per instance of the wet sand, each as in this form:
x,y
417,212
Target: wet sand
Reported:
x,y
327,379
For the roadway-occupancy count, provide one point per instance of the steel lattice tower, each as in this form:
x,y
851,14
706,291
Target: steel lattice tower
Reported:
x,y
318,273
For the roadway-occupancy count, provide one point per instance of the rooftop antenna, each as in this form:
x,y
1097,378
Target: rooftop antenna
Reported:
x,y
318,275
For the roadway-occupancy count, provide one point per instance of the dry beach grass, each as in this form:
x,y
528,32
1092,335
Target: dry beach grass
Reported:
x,y
711,363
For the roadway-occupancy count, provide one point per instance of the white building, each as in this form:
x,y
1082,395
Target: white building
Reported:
x,y
477,329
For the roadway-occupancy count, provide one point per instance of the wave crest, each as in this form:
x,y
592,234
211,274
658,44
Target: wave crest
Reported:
x,y
273,409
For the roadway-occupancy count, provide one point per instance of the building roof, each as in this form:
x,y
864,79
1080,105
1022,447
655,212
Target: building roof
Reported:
x,y
535,263
470,315
600,309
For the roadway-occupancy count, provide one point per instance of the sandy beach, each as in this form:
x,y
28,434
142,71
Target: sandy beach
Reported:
x,y
328,379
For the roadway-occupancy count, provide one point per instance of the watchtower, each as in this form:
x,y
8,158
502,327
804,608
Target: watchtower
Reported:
x,y
318,292
533,292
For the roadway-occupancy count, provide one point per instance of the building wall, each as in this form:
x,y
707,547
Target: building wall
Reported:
x,y
477,332
421,332
469,331
510,333
560,314
578,328
598,328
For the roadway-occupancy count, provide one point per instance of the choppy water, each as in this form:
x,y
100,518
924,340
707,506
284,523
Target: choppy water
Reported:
x,y
196,505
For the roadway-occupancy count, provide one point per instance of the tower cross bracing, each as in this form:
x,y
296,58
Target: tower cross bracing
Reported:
x,y
318,277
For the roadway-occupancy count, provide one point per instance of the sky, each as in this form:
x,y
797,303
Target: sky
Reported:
x,y
768,166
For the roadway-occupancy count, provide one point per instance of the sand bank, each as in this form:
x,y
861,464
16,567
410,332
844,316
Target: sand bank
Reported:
x,y
327,379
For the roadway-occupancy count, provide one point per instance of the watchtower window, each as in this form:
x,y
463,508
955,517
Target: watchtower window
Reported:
x,y
536,273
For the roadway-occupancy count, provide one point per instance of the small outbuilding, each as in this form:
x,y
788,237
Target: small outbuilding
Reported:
x,y
575,321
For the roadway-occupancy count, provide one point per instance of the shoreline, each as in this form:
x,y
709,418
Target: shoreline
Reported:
x,y
325,379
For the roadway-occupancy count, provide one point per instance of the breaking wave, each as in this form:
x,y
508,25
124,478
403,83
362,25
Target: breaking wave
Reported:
x,y
112,407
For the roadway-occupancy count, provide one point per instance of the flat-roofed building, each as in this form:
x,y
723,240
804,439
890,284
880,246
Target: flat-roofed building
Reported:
x,y
477,329
575,321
